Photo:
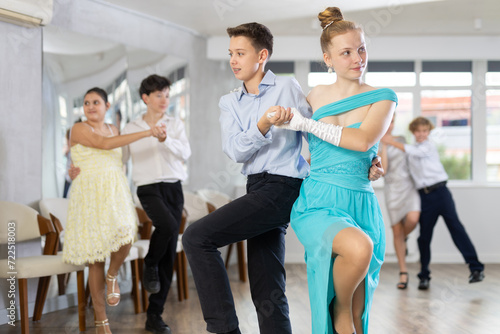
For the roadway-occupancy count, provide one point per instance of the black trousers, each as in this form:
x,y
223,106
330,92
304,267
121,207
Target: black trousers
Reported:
x,y
440,203
163,202
260,217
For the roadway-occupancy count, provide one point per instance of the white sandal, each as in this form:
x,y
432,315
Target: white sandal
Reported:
x,y
102,323
112,294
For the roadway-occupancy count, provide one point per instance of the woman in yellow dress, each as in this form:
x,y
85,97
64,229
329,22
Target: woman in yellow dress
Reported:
x,y
102,220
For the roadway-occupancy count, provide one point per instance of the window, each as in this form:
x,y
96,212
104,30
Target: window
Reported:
x,y
493,134
446,73
286,68
493,74
318,75
178,94
449,108
450,112
493,121
391,74
403,115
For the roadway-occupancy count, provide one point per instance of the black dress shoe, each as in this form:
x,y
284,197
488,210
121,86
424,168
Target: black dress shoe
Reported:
x,y
476,276
155,324
151,279
424,284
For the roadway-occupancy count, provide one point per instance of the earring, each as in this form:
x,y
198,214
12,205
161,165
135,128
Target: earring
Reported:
x,y
330,70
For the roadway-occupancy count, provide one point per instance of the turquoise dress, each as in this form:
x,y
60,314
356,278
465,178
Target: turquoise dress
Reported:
x,y
337,194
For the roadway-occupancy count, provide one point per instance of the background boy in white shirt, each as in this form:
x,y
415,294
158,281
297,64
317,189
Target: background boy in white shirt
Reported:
x,y
157,171
430,179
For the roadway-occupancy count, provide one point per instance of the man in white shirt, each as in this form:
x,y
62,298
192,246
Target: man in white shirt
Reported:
x,y
157,171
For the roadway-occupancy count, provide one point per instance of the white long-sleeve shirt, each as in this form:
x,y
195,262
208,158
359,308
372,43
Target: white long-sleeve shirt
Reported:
x,y
154,162
425,167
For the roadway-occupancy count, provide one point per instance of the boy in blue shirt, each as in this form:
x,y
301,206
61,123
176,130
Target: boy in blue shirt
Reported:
x,y
274,169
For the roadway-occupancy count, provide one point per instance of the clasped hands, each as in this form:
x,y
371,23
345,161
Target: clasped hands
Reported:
x,y
284,118
159,131
292,119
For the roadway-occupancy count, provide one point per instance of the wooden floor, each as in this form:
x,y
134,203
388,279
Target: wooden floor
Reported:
x,y
450,306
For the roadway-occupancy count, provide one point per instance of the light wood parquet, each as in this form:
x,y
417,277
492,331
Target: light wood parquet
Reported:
x,y
450,306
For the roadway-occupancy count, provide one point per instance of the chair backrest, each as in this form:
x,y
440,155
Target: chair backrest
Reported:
x,y
19,222
195,206
56,206
214,197
145,223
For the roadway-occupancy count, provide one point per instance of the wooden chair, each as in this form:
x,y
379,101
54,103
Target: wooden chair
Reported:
x,y
57,210
19,223
218,199
180,264
194,208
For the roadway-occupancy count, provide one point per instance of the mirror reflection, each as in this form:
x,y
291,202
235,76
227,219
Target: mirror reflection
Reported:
x,y
74,63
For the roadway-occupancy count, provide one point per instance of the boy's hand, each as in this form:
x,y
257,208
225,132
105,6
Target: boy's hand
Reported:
x,y
275,115
160,132
278,115
376,170
73,172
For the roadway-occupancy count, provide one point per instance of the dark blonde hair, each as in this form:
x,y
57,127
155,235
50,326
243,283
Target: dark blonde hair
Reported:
x,y
333,24
420,121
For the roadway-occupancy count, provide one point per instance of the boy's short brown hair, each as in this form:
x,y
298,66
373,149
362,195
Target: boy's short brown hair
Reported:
x,y
260,36
420,121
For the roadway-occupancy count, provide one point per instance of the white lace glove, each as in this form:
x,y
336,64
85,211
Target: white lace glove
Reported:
x,y
328,132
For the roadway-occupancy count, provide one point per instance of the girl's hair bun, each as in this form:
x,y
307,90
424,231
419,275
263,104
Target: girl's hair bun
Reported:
x,y
329,16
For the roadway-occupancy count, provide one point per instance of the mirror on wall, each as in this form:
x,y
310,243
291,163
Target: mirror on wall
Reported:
x,y
72,64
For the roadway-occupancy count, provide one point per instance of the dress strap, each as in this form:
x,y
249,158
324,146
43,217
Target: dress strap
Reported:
x,y
355,101
110,129
90,126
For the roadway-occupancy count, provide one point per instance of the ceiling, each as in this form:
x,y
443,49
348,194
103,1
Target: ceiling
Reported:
x,y
299,17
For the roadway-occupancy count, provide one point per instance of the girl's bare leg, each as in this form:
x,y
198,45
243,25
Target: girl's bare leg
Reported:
x,y
353,251
96,285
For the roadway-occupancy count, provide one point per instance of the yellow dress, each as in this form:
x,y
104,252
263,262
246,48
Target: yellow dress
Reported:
x,y
101,213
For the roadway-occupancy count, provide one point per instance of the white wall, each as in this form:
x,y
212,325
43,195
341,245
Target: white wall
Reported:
x,y
380,47
20,129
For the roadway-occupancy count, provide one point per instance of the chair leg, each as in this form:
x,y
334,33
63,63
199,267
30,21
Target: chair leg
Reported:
x,y
23,300
61,283
41,296
88,297
184,275
228,254
144,293
178,272
242,266
135,286
82,302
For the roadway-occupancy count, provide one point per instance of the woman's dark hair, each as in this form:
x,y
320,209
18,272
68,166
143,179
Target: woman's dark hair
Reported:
x,y
260,36
101,92
153,83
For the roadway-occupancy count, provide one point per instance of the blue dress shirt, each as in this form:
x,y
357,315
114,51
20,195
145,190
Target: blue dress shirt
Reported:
x,y
278,152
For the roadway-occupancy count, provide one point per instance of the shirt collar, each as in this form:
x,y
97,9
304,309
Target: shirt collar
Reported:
x,y
142,123
269,79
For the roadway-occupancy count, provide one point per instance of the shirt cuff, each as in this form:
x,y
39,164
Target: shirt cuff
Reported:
x,y
257,137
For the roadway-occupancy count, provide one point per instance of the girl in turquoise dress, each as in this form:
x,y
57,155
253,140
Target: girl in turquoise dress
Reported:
x,y
336,216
